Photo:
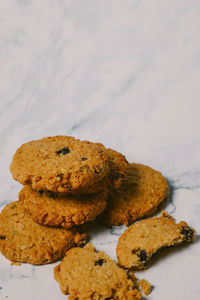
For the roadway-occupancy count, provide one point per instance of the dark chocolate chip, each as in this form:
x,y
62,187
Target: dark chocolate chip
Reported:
x,y
100,262
64,150
142,255
41,192
109,298
2,237
83,158
187,232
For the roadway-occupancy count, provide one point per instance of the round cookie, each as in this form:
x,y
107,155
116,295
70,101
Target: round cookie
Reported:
x,y
47,208
142,239
87,274
61,164
141,192
23,240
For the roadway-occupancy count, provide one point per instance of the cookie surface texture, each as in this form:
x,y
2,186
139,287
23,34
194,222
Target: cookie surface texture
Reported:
x,y
47,208
61,164
87,274
118,165
144,238
142,190
23,240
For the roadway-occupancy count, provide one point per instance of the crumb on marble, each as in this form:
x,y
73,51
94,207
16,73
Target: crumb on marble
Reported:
x,y
145,286
15,263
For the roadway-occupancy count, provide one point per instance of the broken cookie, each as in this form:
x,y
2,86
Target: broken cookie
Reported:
x,y
143,239
85,273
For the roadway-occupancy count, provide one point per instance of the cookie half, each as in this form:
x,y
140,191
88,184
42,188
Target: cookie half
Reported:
x,y
23,240
47,208
143,239
142,190
61,164
87,274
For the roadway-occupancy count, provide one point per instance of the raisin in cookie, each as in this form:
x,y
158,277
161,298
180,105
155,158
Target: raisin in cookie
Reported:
x,y
48,208
61,164
23,240
141,240
141,192
87,274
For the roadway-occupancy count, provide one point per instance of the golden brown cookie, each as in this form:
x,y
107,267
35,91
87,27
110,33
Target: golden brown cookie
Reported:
x,y
87,274
143,239
61,164
47,208
23,240
118,165
141,192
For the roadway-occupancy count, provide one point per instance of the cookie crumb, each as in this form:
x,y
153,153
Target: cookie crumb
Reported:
x,y
145,286
15,263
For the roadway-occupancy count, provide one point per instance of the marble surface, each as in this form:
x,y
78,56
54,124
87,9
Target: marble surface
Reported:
x,y
124,73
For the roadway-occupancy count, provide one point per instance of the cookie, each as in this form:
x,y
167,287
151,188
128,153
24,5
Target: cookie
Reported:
x,y
87,274
118,165
61,164
23,240
142,190
143,239
47,208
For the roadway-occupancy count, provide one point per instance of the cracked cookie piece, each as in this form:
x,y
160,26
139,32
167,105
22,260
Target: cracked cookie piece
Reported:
x,y
142,190
23,240
48,208
61,164
85,273
143,239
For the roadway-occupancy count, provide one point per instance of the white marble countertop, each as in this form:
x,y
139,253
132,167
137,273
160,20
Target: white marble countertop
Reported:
x,y
124,73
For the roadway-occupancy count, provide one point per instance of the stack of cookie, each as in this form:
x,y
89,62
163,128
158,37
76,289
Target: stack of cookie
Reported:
x,y
65,184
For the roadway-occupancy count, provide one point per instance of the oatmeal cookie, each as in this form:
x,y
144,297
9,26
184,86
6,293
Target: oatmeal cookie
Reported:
x,y
23,240
144,238
118,165
142,190
61,164
85,273
48,208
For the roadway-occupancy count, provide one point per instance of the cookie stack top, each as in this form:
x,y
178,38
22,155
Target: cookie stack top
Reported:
x,y
66,165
